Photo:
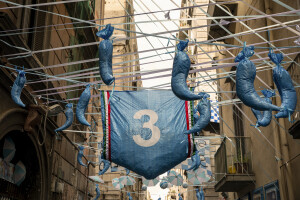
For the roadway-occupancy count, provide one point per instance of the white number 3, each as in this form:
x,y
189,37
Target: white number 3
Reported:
x,y
150,124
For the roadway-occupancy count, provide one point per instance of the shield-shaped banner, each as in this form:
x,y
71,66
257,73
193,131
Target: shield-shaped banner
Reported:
x,y
143,130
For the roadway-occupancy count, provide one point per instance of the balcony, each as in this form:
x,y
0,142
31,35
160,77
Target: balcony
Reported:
x,y
233,165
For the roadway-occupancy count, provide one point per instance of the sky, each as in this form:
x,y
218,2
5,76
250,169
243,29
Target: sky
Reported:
x,y
146,43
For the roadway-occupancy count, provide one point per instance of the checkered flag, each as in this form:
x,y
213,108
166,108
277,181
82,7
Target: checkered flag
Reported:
x,y
214,113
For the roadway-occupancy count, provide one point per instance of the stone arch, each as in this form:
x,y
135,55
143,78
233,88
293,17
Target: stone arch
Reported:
x,y
12,122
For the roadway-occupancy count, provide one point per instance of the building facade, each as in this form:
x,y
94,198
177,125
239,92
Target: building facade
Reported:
x,y
52,170
252,163
48,33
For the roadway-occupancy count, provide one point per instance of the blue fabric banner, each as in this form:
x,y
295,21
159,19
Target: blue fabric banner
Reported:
x,y
143,130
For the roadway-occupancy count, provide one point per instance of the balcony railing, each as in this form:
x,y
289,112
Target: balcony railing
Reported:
x,y
233,164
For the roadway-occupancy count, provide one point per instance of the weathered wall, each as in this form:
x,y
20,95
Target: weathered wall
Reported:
x,y
273,141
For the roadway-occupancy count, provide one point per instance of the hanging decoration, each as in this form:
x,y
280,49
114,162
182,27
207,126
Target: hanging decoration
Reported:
x,y
179,197
144,188
106,165
264,119
285,87
214,112
163,184
127,171
165,179
175,178
17,88
127,180
181,67
69,118
116,183
105,55
19,173
204,108
9,149
245,75
185,185
97,192
82,105
96,179
129,196
198,176
200,194
151,182
80,156
195,162
132,125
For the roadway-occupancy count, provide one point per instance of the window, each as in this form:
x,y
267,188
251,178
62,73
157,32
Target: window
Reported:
x,y
246,197
271,194
258,194
272,191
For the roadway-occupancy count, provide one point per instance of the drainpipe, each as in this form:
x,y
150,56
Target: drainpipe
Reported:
x,y
285,182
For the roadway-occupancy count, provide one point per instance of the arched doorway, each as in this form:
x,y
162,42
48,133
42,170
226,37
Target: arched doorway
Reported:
x,y
25,152
29,153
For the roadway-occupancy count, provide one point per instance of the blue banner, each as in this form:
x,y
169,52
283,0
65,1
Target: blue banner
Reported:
x,y
143,130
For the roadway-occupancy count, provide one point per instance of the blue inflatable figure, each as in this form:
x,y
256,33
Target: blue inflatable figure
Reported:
x,y
129,196
204,108
159,198
285,87
82,105
18,87
80,155
200,194
195,115
127,171
97,192
106,165
181,67
69,119
264,119
179,197
195,162
105,54
245,75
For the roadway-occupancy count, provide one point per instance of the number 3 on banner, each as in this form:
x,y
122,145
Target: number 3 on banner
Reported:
x,y
150,124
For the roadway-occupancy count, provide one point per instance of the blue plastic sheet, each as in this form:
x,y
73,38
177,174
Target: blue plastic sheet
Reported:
x,y
105,55
143,130
285,87
245,76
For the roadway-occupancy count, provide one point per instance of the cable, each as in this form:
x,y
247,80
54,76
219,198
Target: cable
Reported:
x,y
43,4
